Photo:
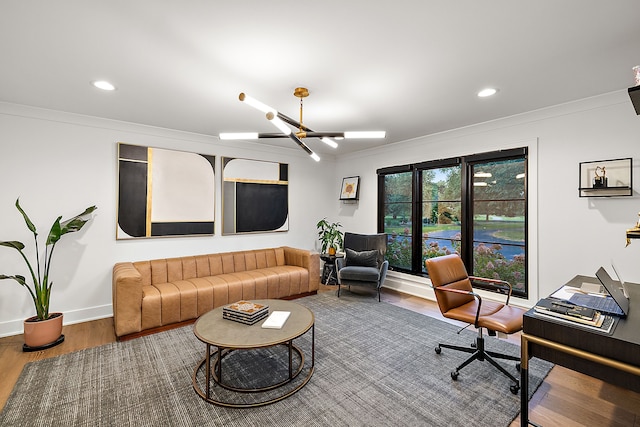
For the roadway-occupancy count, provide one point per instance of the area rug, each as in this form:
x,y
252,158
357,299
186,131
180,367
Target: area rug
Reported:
x,y
375,365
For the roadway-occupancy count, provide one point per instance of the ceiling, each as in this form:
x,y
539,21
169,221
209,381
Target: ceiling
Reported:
x,y
411,68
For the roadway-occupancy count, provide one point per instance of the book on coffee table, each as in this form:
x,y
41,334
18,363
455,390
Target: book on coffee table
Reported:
x,y
245,312
276,320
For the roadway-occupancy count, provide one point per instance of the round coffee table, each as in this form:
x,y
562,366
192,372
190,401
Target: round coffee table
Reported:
x,y
229,336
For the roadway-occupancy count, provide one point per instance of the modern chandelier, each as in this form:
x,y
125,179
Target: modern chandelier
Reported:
x,y
284,124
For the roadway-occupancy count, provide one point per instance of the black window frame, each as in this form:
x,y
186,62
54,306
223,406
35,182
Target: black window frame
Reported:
x,y
466,164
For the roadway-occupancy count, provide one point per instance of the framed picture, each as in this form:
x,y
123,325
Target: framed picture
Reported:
x,y
164,193
255,196
350,188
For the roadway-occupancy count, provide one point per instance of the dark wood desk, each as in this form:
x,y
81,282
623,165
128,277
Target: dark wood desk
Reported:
x,y
613,358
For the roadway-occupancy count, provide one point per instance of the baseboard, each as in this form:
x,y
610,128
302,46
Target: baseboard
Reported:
x,y
15,327
411,285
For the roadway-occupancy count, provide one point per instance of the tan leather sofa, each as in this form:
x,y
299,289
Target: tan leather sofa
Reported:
x,y
152,294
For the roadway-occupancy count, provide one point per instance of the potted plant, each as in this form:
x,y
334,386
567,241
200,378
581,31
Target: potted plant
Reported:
x,y
330,236
44,329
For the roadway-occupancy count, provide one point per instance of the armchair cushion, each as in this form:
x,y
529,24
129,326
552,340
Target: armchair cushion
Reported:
x,y
360,274
362,259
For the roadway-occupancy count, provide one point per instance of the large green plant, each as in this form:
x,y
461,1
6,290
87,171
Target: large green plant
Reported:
x,y
329,234
41,291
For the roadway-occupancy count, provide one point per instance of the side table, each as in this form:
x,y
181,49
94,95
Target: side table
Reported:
x,y
329,276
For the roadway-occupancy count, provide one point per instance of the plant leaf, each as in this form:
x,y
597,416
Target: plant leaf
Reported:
x,y
17,278
77,222
55,233
13,244
30,225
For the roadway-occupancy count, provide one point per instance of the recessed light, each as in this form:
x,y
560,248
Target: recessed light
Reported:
x,y
103,84
487,92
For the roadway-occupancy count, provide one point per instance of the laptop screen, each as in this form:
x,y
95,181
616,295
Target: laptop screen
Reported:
x,y
614,287
624,288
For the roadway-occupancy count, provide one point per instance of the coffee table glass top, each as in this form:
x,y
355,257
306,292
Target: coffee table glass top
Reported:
x,y
211,328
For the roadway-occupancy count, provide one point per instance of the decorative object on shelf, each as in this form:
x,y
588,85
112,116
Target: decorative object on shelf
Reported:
x,y
606,178
330,236
350,188
40,290
281,121
636,74
633,233
600,181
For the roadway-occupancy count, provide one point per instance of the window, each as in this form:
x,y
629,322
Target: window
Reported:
x,y
475,206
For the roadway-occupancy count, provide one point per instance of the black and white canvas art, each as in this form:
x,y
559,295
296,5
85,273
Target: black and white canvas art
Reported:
x,y
164,193
255,196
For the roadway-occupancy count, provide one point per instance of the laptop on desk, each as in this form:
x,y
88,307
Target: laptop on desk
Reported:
x,y
615,303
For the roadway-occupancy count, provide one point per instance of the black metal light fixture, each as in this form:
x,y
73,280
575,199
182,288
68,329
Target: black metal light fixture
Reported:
x,y
282,122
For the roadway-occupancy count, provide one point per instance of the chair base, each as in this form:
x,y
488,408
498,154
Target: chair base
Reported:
x,y
339,286
479,353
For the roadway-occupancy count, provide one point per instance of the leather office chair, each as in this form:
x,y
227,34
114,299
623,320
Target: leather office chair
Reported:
x,y
456,300
364,263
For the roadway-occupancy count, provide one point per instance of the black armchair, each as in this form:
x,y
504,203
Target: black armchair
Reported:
x,y
364,263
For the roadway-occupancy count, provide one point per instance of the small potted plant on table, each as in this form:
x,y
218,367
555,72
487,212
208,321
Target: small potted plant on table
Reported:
x,y
330,236
43,330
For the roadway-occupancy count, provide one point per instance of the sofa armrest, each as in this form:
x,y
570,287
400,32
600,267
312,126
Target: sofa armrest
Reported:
x,y
305,259
127,299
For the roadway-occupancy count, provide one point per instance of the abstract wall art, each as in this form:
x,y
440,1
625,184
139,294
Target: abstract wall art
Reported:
x,y
350,188
164,193
255,196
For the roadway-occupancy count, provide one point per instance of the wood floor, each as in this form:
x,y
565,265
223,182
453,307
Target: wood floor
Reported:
x,y
566,398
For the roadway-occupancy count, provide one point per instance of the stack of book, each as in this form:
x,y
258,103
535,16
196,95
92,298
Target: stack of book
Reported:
x,y
246,312
571,312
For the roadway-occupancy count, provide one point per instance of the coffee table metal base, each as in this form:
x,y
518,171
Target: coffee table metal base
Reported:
x,y
215,375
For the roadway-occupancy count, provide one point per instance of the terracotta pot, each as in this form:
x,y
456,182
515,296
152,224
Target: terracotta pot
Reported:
x,y
39,333
332,251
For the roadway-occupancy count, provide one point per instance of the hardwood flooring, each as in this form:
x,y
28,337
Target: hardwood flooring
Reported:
x,y
566,398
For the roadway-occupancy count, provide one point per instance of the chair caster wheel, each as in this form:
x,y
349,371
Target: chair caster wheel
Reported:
x,y
515,389
454,375
438,350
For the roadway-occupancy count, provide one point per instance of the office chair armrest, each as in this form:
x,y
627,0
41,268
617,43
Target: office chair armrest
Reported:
x,y
463,292
496,284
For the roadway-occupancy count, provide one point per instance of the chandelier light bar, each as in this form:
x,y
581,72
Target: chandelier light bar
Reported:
x,y
282,122
256,104
365,135
275,120
239,135
302,145
330,142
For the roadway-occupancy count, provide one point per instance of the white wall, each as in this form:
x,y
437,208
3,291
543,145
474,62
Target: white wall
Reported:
x,y
568,235
59,163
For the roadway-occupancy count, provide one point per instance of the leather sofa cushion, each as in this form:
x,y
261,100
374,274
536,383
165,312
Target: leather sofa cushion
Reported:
x,y
362,259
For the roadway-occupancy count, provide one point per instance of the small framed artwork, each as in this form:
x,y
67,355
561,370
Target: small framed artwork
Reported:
x,y
350,188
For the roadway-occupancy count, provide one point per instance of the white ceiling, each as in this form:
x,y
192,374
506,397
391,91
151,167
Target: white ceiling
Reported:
x,y
411,68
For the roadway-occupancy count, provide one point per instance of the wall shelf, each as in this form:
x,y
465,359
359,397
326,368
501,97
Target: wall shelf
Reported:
x,y
616,174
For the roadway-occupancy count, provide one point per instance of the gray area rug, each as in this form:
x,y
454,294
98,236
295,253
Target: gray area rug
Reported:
x,y
375,366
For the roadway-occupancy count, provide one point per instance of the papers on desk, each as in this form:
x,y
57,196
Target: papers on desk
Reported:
x,y
276,320
566,292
